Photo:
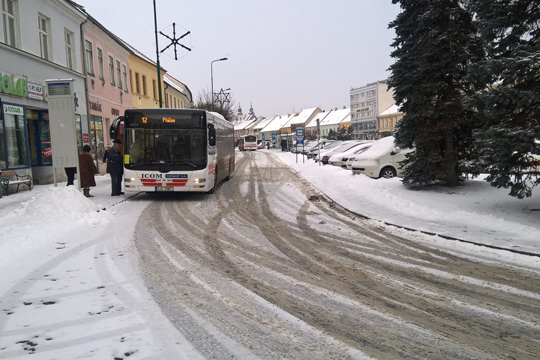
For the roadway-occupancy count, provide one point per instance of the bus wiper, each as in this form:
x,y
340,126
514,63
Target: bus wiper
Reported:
x,y
181,162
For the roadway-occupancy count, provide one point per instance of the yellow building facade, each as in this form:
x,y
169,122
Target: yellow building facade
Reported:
x,y
144,83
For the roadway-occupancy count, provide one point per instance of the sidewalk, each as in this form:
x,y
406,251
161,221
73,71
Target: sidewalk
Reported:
x,y
101,194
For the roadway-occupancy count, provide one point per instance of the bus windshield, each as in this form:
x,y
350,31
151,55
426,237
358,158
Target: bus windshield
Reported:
x,y
147,147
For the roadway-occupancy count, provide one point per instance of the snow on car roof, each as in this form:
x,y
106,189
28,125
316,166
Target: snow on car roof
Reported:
x,y
379,148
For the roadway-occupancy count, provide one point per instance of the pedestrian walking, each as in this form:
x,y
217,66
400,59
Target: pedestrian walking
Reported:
x,y
88,170
115,167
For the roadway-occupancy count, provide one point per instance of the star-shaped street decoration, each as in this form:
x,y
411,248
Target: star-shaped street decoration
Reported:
x,y
175,41
222,97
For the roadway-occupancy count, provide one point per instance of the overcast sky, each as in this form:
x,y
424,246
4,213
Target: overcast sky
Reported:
x,y
284,55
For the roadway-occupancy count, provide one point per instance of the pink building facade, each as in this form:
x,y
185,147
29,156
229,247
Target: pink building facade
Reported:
x,y
109,91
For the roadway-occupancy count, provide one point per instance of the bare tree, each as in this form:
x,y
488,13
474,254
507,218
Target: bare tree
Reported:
x,y
204,101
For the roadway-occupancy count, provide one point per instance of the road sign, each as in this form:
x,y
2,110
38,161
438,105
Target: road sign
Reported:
x,y
273,136
300,132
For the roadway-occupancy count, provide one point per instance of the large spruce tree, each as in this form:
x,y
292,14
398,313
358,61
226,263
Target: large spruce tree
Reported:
x,y
434,46
510,102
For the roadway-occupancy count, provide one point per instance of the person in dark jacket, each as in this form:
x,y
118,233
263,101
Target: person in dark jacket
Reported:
x,y
115,167
70,172
88,170
106,154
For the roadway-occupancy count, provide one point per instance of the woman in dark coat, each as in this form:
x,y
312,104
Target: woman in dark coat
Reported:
x,y
88,170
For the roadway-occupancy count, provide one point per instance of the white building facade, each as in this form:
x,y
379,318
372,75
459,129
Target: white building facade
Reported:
x,y
39,40
367,102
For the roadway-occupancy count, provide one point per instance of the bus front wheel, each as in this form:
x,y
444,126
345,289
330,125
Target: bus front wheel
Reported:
x,y
213,189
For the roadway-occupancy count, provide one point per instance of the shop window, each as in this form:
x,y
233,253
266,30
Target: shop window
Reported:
x,y
10,17
96,127
45,142
3,157
15,152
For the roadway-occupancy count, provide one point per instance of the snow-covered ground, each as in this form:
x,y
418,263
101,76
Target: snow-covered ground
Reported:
x,y
71,287
475,212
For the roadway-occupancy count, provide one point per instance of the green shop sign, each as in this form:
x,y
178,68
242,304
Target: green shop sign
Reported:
x,y
13,86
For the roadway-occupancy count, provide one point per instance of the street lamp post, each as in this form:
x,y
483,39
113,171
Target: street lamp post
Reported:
x,y
212,78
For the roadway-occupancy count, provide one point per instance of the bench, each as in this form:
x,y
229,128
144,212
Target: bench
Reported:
x,y
18,180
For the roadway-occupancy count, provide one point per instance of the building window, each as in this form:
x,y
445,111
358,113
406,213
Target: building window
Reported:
x,y
14,154
100,63
137,84
10,19
144,85
111,70
44,36
119,74
70,53
124,68
154,89
89,57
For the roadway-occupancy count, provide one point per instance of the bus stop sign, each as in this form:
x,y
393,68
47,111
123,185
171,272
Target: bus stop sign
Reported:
x,y
300,132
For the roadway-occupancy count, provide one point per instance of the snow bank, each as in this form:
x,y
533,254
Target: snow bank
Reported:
x,y
42,218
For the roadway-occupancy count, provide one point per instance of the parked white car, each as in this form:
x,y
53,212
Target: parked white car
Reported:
x,y
380,160
314,154
346,146
325,145
348,160
339,158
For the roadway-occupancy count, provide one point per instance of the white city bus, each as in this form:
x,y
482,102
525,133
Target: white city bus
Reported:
x,y
175,149
247,142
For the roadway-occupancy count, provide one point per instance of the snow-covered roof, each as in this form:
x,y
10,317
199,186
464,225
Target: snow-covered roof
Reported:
x,y
321,116
245,124
137,52
263,123
301,117
394,109
278,122
346,119
335,117
167,80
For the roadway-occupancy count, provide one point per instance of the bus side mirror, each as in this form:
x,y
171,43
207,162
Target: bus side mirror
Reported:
x,y
113,131
211,135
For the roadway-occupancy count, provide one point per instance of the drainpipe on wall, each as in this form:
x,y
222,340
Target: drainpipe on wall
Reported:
x,y
165,93
83,46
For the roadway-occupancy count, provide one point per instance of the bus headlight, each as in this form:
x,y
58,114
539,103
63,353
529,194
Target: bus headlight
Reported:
x,y
198,181
132,180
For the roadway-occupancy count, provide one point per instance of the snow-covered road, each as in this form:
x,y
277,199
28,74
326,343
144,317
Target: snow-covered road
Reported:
x,y
264,268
